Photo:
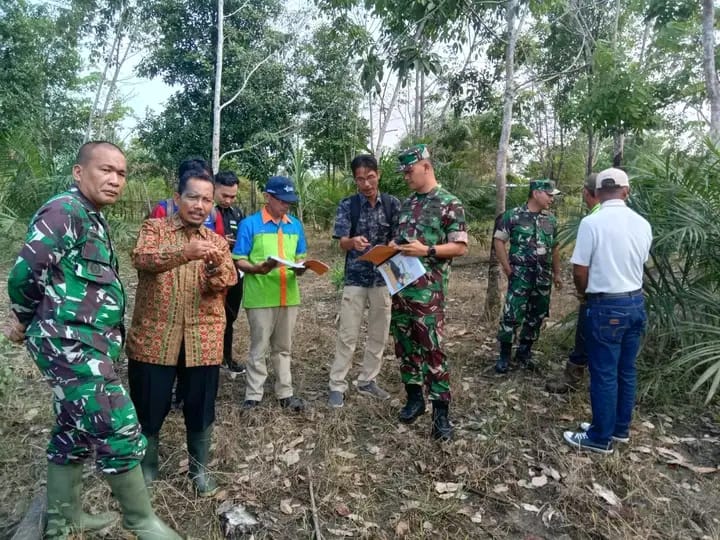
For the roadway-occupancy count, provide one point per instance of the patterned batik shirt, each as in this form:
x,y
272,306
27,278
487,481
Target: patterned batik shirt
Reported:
x,y
374,225
178,300
65,282
436,217
532,237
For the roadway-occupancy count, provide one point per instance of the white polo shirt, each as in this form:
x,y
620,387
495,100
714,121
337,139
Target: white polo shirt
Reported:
x,y
615,244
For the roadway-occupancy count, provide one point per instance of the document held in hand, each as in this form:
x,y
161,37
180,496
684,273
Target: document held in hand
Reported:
x,y
397,270
316,266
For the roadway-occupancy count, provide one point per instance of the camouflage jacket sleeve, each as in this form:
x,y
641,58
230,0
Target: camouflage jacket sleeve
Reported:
x,y
151,254
503,230
53,231
395,206
223,276
454,222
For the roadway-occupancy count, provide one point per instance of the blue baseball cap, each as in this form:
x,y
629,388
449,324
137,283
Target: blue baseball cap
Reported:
x,y
281,187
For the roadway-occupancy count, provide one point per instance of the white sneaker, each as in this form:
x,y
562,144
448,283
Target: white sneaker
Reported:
x,y
585,426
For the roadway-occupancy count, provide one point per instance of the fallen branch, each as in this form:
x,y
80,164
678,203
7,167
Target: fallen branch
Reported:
x,y
316,521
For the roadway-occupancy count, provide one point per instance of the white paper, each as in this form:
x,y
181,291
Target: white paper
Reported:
x,y
399,271
285,262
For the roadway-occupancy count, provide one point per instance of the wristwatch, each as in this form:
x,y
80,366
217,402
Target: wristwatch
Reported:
x,y
431,251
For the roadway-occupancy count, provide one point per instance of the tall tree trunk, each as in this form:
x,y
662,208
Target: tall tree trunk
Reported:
x,y
372,129
416,110
711,77
422,103
618,149
492,298
218,88
112,86
590,151
385,120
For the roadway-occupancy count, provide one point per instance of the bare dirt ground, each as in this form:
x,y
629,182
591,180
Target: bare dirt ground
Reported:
x,y
506,475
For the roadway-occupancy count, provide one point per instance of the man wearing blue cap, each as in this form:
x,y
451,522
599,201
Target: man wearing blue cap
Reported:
x,y
271,295
532,265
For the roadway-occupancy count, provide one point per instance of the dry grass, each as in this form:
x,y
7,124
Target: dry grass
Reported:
x,y
374,478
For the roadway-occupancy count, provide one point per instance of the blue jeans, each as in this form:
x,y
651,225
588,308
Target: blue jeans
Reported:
x,y
613,332
578,355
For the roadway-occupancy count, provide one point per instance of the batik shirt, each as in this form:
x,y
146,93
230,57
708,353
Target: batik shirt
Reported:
x,y
178,300
65,282
436,217
374,225
532,237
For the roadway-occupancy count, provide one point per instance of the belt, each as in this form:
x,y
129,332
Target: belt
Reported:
x,y
598,296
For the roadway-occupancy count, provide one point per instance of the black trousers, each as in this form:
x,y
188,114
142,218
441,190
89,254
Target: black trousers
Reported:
x,y
151,391
232,308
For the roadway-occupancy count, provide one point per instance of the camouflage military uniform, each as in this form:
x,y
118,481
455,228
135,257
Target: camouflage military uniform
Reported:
x,y
66,289
418,311
527,303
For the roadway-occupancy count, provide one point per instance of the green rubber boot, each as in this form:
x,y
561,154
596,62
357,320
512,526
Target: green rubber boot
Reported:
x,y
198,444
150,461
65,513
138,516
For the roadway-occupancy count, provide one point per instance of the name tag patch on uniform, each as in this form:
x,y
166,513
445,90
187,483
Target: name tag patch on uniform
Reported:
x,y
614,322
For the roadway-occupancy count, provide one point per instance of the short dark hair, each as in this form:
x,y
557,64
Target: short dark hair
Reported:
x,y
87,149
364,160
194,163
226,178
193,174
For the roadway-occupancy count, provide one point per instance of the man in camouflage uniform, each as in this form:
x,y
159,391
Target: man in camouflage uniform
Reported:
x,y
68,306
531,267
431,226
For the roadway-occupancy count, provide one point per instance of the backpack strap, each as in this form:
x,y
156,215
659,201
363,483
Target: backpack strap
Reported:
x,y
386,202
354,214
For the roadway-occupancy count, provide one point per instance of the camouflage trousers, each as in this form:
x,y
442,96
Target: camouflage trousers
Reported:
x,y
418,334
527,303
94,414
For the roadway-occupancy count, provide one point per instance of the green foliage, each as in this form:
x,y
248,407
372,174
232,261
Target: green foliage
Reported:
x,y
680,195
183,53
334,131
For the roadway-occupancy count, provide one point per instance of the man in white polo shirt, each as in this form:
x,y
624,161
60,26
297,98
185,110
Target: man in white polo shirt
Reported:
x,y
612,247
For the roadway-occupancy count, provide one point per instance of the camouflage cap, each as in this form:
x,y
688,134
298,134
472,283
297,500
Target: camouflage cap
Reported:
x,y
412,155
544,184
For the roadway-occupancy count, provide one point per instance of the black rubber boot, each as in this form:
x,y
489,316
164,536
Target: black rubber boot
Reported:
x,y
150,468
415,405
523,356
198,444
442,430
138,516
502,364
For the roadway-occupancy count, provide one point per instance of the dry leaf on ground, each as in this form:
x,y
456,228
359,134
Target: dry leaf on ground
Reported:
x,y
606,494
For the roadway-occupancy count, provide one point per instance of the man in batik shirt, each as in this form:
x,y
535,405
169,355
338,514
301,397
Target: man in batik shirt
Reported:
x,y
184,270
431,226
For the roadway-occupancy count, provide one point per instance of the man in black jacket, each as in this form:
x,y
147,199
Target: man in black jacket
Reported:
x,y
226,189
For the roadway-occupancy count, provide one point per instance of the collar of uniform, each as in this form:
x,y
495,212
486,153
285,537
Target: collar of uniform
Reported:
x,y
267,217
177,224
75,190
613,202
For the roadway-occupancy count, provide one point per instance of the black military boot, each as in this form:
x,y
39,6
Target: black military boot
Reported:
x,y
502,364
442,430
523,356
415,405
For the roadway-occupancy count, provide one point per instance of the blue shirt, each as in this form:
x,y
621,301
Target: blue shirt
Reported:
x,y
374,225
